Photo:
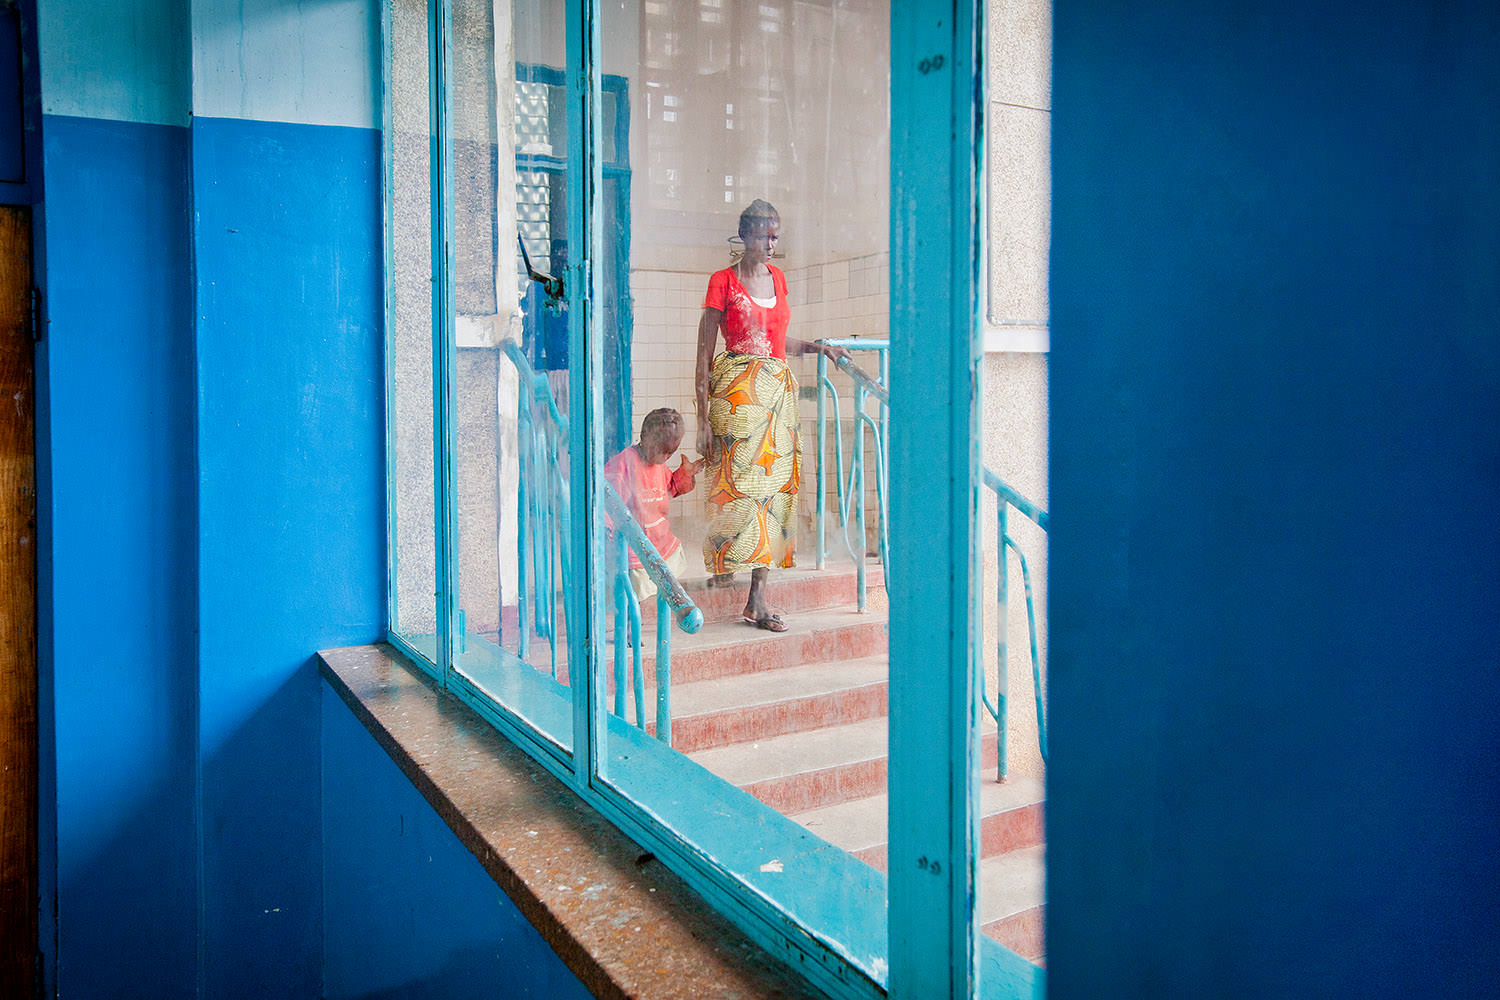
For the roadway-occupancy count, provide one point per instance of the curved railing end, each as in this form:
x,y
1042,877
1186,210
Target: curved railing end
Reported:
x,y
689,619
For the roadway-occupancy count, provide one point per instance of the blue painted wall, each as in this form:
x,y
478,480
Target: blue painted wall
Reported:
x,y
116,404
217,514
410,912
1275,388
20,111
211,419
12,102
291,502
213,476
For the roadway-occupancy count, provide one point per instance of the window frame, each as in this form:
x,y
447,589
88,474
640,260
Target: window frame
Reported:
x,y
936,169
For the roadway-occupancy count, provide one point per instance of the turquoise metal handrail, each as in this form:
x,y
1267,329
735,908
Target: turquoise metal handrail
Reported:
x,y
672,602
541,520
1005,498
851,500
542,531
851,510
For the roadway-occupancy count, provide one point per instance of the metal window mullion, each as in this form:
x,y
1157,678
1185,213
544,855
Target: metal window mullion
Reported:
x,y
388,217
440,20
586,375
934,369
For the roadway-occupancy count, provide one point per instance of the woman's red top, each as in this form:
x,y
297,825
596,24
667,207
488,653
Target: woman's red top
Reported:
x,y
749,328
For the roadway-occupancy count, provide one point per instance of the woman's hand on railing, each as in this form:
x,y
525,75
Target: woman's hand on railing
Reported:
x,y
832,352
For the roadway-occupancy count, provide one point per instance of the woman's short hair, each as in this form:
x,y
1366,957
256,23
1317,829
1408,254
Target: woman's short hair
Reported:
x,y
759,214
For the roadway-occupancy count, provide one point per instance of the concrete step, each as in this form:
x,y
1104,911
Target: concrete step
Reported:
x,y
730,648
802,771
725,649
757,706
808,770
1012,895
792,592
1010,819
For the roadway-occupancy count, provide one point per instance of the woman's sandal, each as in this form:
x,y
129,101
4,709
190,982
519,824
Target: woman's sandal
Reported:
x,y
771,623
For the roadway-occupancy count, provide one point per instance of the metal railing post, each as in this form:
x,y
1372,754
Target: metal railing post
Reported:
x,y
637,681
663,669
1002,682
1036,663
523,527
857,465
560,500
822,449
841,495
1005,498
622,596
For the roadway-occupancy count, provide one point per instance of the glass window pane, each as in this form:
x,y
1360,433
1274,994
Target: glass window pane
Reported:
x,y
776,706
511,392
409,242
1013,495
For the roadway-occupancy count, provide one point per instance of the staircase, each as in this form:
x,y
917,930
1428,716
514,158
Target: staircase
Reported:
x,y
799,720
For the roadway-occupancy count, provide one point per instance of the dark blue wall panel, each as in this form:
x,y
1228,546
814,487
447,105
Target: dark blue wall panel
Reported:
x,y
1275,389
117,406
408,910
291,513
12,117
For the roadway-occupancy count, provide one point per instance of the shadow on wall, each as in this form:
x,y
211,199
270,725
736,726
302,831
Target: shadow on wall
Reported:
x,y
409,912
481,972
129,919
126,915
354,887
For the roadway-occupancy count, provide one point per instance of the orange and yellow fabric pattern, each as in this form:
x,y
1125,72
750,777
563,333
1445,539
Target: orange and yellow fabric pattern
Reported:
x,y
752,488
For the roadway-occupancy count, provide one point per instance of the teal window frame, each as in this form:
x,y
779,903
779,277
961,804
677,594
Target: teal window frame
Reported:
x,y
937,156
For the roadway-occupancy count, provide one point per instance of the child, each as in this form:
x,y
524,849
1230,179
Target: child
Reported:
x,y
640,475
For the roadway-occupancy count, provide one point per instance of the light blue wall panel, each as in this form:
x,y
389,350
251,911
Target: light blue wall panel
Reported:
x,y
125,60
160,60
291,512
1275,391
271,60
408,911
116,415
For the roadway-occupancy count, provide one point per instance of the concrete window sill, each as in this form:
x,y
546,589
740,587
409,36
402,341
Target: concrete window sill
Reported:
x,y
536,838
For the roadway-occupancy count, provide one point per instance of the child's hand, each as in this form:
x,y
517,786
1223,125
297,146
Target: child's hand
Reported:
x,y
689,466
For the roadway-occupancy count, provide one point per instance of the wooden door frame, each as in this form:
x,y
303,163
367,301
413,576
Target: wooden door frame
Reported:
x,y
21,881
19,683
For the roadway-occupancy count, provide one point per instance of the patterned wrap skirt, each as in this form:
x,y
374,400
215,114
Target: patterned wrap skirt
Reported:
x,y
752,489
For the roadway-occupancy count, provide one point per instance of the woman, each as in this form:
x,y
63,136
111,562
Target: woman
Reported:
x,y
748,426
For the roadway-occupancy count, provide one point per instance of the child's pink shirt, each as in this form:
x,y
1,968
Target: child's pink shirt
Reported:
x,y
648,490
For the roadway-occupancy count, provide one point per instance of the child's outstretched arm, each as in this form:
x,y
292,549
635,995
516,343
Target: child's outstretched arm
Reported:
x,y
685,475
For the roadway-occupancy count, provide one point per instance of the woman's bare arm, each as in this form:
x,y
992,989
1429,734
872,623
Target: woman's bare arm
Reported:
x,y
708,334
797,348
